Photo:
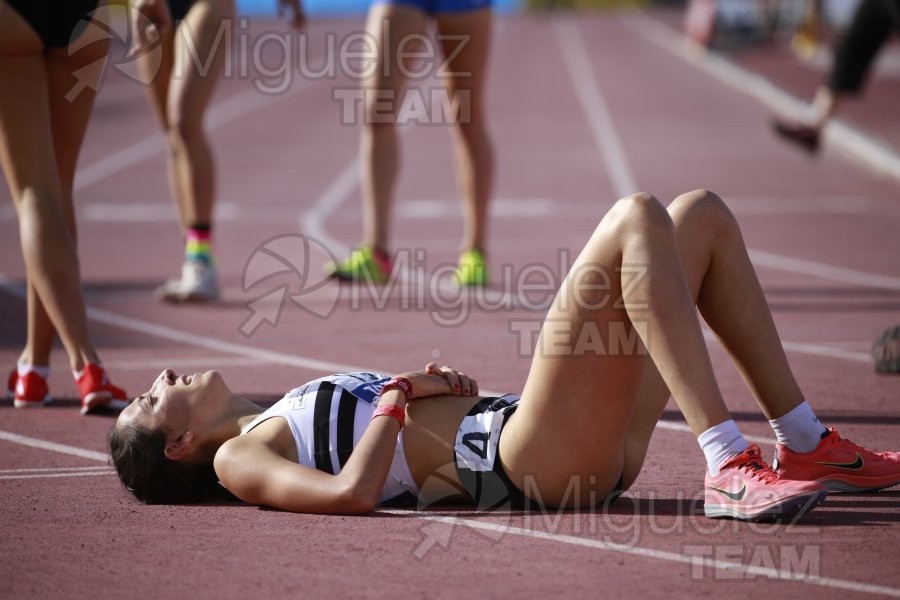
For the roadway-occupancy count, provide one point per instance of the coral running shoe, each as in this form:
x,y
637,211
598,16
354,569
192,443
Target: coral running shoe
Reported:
x,y
840,465
472,269
30,390
747,488
363,264
97,393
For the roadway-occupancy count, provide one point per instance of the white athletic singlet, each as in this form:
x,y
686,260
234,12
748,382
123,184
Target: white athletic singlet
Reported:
x,y
328,417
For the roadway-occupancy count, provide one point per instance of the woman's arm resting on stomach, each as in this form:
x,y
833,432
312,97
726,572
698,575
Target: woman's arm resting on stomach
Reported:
x,y
252,468
255,472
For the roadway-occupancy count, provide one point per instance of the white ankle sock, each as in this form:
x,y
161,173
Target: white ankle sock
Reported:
x,y
24,368
721,442
798,429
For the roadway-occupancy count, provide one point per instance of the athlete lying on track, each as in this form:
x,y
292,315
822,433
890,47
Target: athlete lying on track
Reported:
x,y
580,431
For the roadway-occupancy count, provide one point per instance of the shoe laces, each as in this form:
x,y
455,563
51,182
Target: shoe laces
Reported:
x,y
753,465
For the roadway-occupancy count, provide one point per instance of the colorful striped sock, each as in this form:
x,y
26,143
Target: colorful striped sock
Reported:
x,y
198,244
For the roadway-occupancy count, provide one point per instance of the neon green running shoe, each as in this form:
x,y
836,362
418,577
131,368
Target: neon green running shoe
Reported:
x,y
363,264
472,269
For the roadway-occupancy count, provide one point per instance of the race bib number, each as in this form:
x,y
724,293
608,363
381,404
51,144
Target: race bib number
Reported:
x,y
476,441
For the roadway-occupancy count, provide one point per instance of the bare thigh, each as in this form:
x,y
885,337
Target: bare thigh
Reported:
x,y
465,40
26,139
16,36
200,48
398,32
72,96
566,441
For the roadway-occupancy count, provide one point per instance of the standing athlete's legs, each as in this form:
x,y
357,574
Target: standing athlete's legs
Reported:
x,y
465,40
390,25
21,52
192,61
200,47
397,31
41,131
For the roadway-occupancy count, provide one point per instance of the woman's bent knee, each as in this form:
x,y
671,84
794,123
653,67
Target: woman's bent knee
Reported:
x,y
704,208
640,211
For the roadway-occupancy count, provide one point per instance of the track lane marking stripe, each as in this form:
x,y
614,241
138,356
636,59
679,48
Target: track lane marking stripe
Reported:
x,y
664,555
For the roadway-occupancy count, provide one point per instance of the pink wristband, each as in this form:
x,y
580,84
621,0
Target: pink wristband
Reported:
x,y
391,410
401,383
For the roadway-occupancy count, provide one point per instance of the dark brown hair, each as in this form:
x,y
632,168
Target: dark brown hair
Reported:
x,y
138,455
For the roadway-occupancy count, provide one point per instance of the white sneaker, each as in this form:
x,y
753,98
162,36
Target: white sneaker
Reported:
x,y
196,284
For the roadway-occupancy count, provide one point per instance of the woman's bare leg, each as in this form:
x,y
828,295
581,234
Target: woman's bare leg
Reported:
x,y
200,47
158,94
30,127
586,374
69,121
725,288
191,62
467,37
389,25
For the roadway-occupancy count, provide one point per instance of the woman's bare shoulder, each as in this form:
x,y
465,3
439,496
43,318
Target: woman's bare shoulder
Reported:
x,y
272,436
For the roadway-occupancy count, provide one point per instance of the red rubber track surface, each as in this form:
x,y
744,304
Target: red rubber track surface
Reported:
x,y
286,166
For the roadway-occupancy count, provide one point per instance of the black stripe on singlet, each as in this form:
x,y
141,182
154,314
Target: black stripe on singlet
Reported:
x,y
321,422
345,419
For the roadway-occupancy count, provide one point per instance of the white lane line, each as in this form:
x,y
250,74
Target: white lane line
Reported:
x,y
674,426
587,88
52,475
817,350
823,270
313,220
117,162
802,205
812,349
433,208
23,440
132,212
182,362
54,470
210,343
224,112
201,341
851,142
722,565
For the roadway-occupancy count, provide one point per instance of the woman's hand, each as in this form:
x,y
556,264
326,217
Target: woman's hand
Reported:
x,y
437,381
150,21
294,11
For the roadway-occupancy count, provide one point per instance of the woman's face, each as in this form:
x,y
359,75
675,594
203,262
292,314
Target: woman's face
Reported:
x,y
175,403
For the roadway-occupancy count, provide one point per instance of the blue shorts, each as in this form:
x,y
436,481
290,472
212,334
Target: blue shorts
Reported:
x,y
440,7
